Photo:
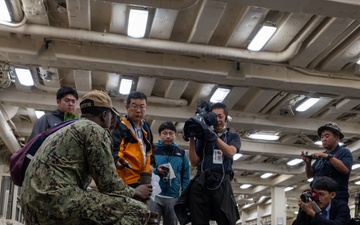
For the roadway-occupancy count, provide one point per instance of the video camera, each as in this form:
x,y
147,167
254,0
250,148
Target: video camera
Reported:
x,y
204,118
306,195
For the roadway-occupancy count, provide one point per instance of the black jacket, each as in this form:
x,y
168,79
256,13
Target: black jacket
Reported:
x,y
339,215
225,198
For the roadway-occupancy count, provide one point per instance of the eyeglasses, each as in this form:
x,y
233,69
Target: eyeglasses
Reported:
x,y
165,133
68,101
136,107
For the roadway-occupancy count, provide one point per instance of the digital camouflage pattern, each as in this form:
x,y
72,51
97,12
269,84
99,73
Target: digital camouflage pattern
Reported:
x,y
54,190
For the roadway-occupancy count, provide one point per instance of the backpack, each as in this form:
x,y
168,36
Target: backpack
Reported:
x,y
20,160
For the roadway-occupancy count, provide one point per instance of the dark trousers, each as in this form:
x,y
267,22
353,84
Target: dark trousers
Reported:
x,y
210,197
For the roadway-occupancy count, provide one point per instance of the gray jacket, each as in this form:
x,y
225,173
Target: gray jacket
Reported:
x,y
47,121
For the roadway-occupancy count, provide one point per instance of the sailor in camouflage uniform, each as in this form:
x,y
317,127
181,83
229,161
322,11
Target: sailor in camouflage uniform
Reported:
x,y
55,185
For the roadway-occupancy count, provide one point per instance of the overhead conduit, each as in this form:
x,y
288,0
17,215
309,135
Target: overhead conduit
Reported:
x,y
163,45
7,135
164,4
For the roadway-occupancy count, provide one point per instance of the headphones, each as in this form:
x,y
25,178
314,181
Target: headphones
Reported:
x,y
228,118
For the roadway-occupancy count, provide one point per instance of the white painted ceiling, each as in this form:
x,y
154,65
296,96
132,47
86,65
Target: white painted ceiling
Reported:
x,y
192,47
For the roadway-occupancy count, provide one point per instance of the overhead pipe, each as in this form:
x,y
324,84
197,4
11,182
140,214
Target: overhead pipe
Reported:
x,y
12,24
17,14
163,45
163,4
7,135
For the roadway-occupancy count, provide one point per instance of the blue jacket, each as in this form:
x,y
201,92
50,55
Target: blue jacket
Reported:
x,y
179,161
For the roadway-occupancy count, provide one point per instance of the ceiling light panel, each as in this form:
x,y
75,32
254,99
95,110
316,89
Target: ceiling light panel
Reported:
x,y
137,23
39,114
320,104
288,189
260,39
245,186
125,86
237,156
355,166
266,175
267,137
307,104
24,76
4,12
294,162
219,95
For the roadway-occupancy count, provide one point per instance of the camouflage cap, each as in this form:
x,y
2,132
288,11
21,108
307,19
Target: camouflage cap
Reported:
x,y
332,127
96,98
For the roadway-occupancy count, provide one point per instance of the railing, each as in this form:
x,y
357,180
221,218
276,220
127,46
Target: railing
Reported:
x,y
10,210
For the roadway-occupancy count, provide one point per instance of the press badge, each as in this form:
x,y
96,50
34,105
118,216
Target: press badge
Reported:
x,y
217,156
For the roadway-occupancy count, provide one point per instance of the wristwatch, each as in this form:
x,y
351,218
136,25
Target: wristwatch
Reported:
x,y
330,156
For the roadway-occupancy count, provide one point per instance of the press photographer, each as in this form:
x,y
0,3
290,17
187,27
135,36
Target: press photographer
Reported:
x,y
212,146
318,205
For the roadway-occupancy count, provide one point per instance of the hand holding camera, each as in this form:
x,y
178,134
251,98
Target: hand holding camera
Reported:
x,y
309,194
163,170
307,202
307,157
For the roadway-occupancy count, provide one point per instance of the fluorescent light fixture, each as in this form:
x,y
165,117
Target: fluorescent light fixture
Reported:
x,y
219,95
137,23
358,62
245,186
237,156
260,39
294,162
125,86
24,76
310,179
355,166
267,137
307,104
357,182
288,189
266,175
39,113
4,12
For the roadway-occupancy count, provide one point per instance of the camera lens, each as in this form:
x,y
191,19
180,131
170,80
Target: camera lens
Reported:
x,y
309,194
305,197
165,179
